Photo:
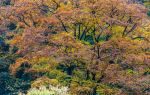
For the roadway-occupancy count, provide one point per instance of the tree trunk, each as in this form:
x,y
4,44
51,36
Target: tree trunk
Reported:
x,y
87,74
93,76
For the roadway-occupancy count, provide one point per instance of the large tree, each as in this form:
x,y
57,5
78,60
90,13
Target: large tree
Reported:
x,y
93,46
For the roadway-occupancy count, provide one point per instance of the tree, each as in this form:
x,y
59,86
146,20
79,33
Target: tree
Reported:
x,y
99,46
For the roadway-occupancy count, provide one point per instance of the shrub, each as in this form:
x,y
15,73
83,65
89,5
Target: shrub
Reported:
x,y
51,90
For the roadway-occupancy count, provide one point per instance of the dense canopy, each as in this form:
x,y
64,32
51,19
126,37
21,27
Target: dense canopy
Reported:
x,y
79,47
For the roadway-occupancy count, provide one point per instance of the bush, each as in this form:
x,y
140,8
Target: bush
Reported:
x,y
51,90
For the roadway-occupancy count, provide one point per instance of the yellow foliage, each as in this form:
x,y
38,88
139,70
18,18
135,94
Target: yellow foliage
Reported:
x,y
44,81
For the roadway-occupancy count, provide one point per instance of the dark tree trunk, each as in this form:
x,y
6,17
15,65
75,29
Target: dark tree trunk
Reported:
x,y
75,32
93,76
98,52
79,31
87,74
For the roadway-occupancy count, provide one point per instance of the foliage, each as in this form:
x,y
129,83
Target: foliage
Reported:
x,y
90,46
51,90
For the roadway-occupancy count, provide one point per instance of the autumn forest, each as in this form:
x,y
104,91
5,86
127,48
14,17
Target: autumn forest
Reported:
x,y
74,47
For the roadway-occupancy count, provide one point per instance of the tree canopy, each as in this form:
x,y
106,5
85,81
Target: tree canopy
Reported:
x,y
93,47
